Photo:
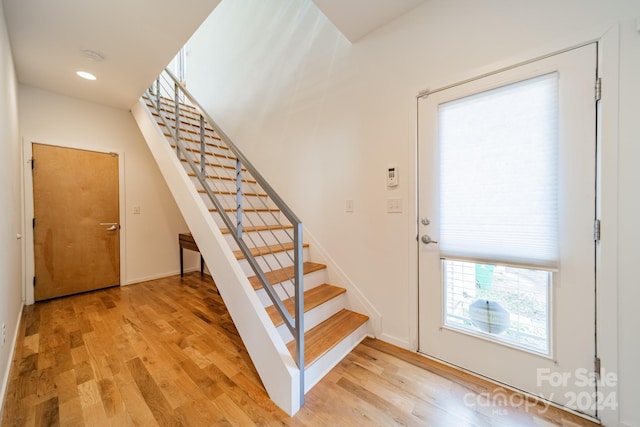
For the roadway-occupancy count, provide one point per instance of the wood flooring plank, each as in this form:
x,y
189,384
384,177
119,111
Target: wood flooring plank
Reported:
x,y
151,393
47,413
387,412
92,407
232,412
32,320
199,413
31,344
70,412
111,398
84,372
135,404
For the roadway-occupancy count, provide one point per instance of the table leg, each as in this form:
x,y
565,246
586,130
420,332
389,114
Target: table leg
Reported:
x,y
181,263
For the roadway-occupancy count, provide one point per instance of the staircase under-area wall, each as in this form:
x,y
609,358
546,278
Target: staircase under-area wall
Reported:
x,y
253,246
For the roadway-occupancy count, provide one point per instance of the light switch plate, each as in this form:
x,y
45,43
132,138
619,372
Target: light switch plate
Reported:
x,y
349,206
394,205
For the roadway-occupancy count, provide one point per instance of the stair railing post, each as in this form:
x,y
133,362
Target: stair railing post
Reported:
x,y
299,303
158,94
177,108
203,159
239,199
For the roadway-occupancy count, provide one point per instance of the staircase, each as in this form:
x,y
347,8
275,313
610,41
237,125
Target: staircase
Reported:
x,y
296,327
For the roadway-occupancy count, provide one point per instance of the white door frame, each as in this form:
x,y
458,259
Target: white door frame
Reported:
x,y
27,190
606,210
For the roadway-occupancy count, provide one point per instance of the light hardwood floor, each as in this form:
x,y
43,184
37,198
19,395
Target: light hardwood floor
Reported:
x,y
165,352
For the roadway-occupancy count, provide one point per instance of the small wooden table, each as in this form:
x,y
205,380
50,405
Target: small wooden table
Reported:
x,y
186,241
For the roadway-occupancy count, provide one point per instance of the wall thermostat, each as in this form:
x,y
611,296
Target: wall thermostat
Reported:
x,y
392,176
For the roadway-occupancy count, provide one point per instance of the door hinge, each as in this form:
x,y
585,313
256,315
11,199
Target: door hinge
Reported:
x,y
34,281
596,367
596,230
599,89
34,223
33,162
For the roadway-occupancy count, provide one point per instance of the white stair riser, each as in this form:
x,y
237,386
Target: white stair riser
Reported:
x,y
261,238
316,371
311,280
272,262
317,315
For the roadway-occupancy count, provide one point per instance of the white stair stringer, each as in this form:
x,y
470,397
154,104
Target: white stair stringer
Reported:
x,y
272,359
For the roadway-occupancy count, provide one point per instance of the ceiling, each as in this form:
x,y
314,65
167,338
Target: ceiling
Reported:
x,y
357,18
137,38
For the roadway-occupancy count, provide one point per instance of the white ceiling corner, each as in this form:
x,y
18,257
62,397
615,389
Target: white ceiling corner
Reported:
x,y
357,18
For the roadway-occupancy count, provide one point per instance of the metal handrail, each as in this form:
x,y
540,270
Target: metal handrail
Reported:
x,y
296,324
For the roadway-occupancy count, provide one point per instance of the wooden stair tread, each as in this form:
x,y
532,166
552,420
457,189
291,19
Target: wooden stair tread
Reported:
x,y
207,153
259,227
233,193
207,141
312,299
247,210
280,275
184,114
213,165
168,101
223,178
266,250
187,125
319,340
196,141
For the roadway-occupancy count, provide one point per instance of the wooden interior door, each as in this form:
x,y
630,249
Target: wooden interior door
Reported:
x,y
76,221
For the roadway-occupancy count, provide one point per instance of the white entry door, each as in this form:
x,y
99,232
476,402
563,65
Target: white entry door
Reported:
x,y
507,178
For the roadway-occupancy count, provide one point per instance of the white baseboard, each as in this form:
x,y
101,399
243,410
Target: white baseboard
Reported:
x,y
5,380
160,276
398,342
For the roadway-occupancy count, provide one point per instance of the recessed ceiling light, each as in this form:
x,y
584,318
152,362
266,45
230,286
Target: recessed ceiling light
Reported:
x,y
86,75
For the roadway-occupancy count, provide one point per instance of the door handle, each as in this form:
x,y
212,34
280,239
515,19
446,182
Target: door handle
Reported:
x,y
426,239
113,226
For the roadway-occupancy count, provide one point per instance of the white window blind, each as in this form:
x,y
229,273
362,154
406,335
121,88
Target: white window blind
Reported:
x,y
499,175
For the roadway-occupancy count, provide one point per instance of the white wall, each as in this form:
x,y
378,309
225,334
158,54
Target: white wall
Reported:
x,y
323,118
10,207
629,225
150,238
